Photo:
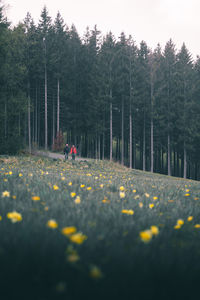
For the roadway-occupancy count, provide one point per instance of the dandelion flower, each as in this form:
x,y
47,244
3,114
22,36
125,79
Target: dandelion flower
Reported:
x,y
89,188
72,194
95,272
155,198
14,197
5,194
35,198
151,205
70,183
52,224
68,230
140,204
146,236
73,258
180,222
77,200
197,226
82,185
187,194
0,218
134,191
127,211
14,216
77,238
121,188
147,195
101,185
190,218
177,226
154,230
122,195
10,173
55,187
196,198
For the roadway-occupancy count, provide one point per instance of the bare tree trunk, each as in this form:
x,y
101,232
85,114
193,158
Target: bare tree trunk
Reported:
x,y
144,145
103,146
45,96
99,146
29,120
5,121
168,155
122,153
58,106
19,125
53,131
152,139
184,162
111,134
131,139
36,117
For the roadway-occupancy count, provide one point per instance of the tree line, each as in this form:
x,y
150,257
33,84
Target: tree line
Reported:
x,y
113,99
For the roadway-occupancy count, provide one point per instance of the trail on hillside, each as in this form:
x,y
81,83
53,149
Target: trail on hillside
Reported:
x,y
54,155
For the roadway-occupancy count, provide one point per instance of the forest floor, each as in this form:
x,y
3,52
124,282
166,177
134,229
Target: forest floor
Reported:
x,y
96,230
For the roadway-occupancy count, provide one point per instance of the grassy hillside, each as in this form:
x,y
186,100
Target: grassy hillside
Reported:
x,y
70,230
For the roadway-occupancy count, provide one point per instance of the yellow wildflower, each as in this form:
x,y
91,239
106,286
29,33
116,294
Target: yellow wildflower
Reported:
x,y
196,198
20,174
10,173
14,216
14,197
197,226
187,194
72,258
46,208
0,218
122,195
68,230
177,226
127,211
146,236
88,174
35,198
5,179
190,218
187,190
72,194
55,187
147,195
121,188
6,194
101,185
52,224
154,230
180,222
77,238
155,198
70,183
140,204
151,205
30,174
89,188
134,191
62,178
95,272
82,185
77,200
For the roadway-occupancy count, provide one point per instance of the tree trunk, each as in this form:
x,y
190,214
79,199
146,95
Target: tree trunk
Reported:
x,y
45,97
168,155
29,120
36,117
184,162
144,146
111,134
58,106
122,153
5,121
53,129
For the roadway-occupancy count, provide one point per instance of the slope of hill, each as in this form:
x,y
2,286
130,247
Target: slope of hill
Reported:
x,y
96,229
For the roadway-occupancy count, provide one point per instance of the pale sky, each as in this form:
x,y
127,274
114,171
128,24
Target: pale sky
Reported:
x,y
154,21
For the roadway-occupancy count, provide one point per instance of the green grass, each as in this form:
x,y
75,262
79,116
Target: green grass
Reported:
x,y
34,259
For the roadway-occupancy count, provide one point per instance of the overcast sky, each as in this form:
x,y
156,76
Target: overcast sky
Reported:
x,y
154,21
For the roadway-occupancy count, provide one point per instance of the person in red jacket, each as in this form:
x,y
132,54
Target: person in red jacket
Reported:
x,y
73,152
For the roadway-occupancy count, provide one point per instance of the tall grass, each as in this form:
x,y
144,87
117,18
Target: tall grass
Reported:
x,y
113,262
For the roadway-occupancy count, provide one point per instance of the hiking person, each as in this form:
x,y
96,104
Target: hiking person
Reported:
x,y
73,152
66,151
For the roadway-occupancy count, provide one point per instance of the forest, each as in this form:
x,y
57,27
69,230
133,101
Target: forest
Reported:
x,y
113,99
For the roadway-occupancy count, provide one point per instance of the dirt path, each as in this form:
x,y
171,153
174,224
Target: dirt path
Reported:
x,y
56,155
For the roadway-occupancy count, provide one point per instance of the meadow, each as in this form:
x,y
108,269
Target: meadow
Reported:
x,y
96,230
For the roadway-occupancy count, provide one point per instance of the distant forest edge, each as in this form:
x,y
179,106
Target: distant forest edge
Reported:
x,y
113,99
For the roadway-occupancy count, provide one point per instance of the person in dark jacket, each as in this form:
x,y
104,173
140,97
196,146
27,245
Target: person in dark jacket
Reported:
x,y
66,151
73,152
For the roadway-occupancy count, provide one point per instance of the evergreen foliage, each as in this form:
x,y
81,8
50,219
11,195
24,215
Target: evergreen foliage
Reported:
x,y
111,98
